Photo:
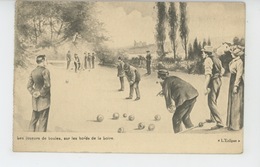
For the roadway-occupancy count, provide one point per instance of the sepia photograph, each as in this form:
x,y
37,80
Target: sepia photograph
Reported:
x,y
129,77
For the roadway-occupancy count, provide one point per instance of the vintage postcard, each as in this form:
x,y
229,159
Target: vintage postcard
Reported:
x,y
129,77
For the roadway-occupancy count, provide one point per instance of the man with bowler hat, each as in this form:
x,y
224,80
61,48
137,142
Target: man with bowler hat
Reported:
x,y
184,96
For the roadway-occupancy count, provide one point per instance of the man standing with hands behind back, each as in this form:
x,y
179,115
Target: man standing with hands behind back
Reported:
x,y
213,73
39,86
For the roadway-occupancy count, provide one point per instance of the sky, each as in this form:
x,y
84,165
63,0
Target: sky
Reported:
x,y
129,21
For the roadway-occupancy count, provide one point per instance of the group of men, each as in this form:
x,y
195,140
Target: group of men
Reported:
x,y
89,61
184,94
133,76
174,89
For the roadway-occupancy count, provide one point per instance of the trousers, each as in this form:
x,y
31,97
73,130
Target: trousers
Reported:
x,y
134,86
122,83
182,114
42,118
214,85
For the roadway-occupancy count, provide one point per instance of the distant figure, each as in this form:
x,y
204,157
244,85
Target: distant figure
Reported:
x,y
76,62
89,60
85,60
121,73
39,86
183,94
93,60
235,111
68,58
133,77
213,73
148,62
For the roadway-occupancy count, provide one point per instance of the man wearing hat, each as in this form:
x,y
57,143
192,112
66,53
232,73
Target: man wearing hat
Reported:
x,y
148,62
121,73
68,58
93,60
39,86
76,62
213,73
133,77
183,94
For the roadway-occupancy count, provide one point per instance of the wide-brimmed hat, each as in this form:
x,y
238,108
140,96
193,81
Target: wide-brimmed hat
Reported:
x,y
238,52
207,49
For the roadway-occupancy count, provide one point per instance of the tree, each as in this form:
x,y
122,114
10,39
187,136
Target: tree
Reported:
x,y
195,49
190,52
209,42
50,23
160,27
184,30
204,43
173,23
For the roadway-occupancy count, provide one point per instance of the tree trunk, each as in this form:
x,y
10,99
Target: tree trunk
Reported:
x,y
35,32
185,48
51,28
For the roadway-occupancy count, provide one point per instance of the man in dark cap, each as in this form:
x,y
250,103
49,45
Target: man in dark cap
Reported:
x,y
183,94
121,73
68,58
89,60
39,86
76,62
213,73
148,62
133,77
93,60
85,60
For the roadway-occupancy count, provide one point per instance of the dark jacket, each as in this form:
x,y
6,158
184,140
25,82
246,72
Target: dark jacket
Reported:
x,y
120,69
177,90
133,75
40,81
148,57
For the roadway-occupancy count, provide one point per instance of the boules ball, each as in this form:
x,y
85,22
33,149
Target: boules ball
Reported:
x,y
115,115
125,115
141,125
121,130
100,118
201,124
157,117
66,81
151,127
131,117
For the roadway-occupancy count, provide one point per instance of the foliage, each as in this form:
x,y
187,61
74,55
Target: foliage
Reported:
x,y
184,30
160,27
45,24
173,23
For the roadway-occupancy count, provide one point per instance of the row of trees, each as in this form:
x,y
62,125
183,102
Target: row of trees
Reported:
x,y
50,23
176,22
194,50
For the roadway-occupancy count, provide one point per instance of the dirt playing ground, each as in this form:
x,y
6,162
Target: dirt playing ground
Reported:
x,y
77,99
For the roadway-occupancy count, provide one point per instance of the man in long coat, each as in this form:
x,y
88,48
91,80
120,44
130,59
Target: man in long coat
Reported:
x,y
39,85
183,94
